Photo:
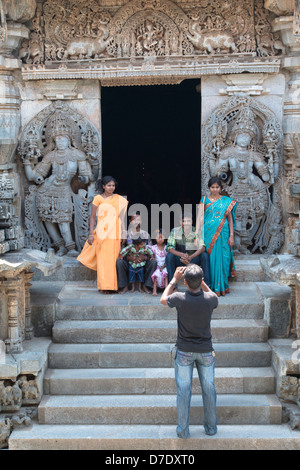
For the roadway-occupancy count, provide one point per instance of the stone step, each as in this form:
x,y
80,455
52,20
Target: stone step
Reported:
x,y
155,409
247,266
67,356
153,438
81,301
152,381
153,331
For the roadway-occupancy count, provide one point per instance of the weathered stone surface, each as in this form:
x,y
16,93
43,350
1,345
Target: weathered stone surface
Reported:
x,y
284,269
277,311
11,264
19,10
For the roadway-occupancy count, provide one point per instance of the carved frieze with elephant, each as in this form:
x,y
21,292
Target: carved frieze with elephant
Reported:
x,y
64,30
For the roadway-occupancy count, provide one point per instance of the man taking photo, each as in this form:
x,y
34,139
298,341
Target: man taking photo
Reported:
x,y
194,345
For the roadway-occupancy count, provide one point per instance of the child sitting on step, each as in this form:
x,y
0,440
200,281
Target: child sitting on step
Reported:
x,y
138,249
160,275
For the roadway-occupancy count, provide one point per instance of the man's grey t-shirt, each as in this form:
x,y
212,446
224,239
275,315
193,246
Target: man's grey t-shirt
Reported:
x,y
194,311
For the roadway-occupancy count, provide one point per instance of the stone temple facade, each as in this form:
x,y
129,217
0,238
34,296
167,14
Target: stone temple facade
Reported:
x,y
55,57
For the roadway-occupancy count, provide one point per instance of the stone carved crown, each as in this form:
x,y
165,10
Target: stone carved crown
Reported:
x,y
245,123
59,126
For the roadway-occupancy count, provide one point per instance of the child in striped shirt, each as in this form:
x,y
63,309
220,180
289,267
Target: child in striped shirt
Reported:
x,y
140,251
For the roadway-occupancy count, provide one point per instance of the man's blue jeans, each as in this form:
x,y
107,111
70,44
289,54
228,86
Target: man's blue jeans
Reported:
x,y
184,365
173,262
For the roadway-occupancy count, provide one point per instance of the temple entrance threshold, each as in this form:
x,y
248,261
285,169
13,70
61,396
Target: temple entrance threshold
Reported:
x,y
152,142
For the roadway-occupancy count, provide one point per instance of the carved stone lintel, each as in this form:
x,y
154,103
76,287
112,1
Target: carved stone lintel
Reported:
x,y
146,30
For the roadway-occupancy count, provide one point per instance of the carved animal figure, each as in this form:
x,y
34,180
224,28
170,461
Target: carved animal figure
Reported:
x,y
87,47
212,42
267,45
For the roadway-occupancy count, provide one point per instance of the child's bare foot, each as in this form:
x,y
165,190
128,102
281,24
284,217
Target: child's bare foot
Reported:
x,y
132,289
154,292
140,288
147,291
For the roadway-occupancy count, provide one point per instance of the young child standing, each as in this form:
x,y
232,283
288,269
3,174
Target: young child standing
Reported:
x,y
136,268
160,275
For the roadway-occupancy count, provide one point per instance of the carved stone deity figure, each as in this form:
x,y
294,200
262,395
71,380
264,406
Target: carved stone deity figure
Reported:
x,y
54,200
242,148
245,171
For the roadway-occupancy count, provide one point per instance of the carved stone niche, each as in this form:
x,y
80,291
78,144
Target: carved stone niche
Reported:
x,y
60,150
242,144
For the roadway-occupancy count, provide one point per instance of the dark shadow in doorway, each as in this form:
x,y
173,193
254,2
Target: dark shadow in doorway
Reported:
x,y
151,142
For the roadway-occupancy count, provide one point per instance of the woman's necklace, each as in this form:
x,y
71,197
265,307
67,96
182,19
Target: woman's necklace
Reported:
x,y
213,199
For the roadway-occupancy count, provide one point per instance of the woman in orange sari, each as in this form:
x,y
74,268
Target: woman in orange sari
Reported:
x,y
102,248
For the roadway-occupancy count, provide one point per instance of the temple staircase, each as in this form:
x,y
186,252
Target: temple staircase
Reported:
x,y
110,378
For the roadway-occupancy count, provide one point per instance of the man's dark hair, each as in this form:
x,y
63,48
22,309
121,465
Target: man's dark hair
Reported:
x,y
137,241
187,215
193,276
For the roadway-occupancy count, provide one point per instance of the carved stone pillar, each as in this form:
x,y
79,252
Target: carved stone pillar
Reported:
x,y
15,320
10,119
28,326
291,126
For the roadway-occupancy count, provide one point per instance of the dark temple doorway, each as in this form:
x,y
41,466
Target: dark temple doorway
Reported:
x,y
151,142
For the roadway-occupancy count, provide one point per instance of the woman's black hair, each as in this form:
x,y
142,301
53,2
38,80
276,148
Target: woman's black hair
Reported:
x,y
103,181
213,180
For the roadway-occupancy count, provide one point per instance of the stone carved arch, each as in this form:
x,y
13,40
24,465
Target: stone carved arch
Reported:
x,y
167,7
143,28
250,170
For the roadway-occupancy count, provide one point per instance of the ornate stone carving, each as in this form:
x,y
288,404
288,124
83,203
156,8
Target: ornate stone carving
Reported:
x,y
242,143
268,42
66,31
26,390
60,150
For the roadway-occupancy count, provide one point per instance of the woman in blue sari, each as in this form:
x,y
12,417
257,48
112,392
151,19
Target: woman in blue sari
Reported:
x,y
216,222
